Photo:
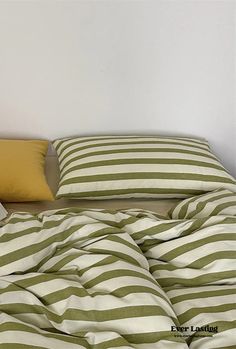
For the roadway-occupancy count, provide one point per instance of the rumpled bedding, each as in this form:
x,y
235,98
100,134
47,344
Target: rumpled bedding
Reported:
x,y
86,278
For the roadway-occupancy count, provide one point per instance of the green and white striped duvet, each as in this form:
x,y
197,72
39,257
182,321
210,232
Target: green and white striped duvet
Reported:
x,y
100,279
73,279
134,166
218,202
195,263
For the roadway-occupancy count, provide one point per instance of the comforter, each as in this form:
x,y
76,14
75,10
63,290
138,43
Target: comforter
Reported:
x,y
74,278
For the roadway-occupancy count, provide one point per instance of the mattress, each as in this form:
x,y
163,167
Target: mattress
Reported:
x,y
52,175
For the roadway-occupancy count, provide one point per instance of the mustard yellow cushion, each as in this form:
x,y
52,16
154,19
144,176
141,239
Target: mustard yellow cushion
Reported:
x,y
22,175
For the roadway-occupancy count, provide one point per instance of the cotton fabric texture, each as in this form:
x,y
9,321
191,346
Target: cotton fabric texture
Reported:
x,y
83,278
22,171
107,167
218,202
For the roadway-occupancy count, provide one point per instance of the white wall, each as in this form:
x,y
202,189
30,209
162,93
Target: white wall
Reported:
x,y
89,67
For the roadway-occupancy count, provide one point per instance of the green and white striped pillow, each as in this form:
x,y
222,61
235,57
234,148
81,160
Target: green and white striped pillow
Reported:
x,y
218,202
107,167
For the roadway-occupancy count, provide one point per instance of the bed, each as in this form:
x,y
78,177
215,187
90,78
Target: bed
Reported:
x,y
125,273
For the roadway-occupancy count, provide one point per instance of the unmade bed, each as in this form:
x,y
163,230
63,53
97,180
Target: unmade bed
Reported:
x,y
126,273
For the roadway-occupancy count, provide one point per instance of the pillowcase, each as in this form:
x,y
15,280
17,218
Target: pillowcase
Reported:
x,y
22,171
109,167
218,202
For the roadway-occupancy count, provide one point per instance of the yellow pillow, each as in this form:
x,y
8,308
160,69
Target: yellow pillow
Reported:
x,y
22,171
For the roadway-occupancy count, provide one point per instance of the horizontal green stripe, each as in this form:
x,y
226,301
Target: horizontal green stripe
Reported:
x,y
142,338
81,140
121,292
181,231
132,141
108,275
20,219
202,294
190,314
141,161
121,256
159,266
204,261
155,230
15,326
118,192
133,151
69,245
15,345
197,281
46,225
7,237
112,343
146,175
37,279
134,144
37,247
137,338
112,259
66,293
115,142
192,245
130,220
127,312
35,229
